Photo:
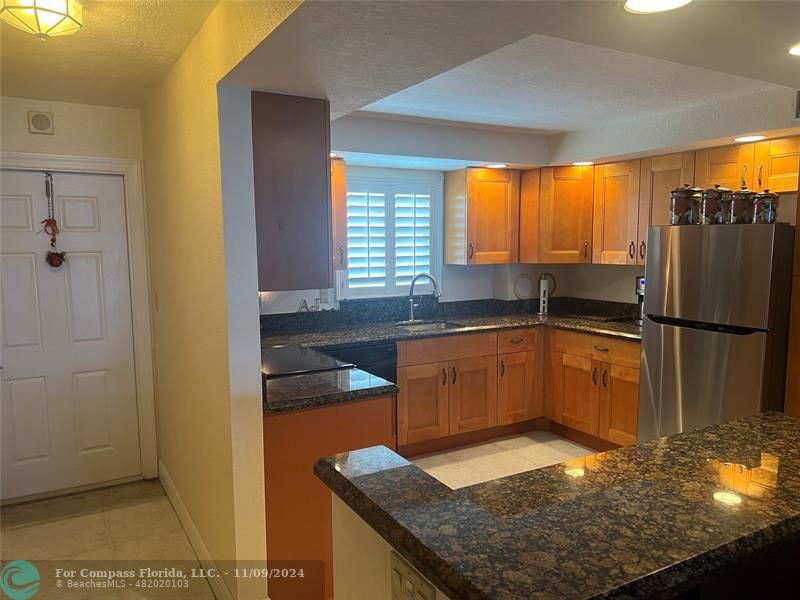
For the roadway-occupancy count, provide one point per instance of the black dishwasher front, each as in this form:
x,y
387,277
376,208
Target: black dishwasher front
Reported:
x,y
379,359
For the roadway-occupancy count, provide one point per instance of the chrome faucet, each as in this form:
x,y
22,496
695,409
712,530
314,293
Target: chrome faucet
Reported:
x,y
411,304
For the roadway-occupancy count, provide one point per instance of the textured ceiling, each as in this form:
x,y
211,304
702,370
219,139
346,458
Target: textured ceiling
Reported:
x,y
549,84
123,51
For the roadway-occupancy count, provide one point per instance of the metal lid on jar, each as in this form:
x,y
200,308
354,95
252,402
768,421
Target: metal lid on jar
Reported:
x,y
716,192
744,194
767,197
687,190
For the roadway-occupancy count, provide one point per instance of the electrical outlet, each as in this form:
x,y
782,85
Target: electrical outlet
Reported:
x,y
324,296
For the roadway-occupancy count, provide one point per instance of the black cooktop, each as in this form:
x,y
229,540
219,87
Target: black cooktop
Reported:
x,y
280,361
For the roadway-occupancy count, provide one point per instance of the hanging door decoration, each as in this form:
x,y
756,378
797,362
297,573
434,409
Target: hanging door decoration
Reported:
x,y
50,225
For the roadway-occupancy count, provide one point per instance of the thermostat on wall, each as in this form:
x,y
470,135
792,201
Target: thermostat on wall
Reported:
x,y
40,122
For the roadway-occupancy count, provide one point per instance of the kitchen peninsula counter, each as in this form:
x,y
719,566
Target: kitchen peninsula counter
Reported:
x,y
684,513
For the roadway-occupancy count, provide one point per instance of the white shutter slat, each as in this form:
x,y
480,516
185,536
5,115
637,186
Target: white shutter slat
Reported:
x,y
366,239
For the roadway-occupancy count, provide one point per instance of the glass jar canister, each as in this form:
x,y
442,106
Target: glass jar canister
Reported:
x,y
765,207
715,205
685,205
742,206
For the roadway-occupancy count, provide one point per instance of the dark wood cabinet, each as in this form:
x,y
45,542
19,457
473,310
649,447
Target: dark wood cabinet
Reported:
x,y
292,184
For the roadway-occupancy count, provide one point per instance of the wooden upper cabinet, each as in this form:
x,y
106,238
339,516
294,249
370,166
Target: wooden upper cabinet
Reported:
x,y
422,405
659,176
529,207
339,214
473,394
728,166
616,213
482,216
565,215
777,165
291,155
619,403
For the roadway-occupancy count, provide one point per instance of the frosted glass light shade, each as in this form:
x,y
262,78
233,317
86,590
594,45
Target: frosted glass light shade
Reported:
x,y
43,18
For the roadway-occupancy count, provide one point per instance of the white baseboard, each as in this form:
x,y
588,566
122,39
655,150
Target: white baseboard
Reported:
x,y
218,586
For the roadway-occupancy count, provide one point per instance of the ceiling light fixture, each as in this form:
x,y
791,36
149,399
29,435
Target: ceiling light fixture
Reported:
x,y
497,166
43,18
795,50
583,163
646,7
750,138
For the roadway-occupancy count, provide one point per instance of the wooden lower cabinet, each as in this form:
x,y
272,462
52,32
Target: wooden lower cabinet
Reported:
x,y
473,394
422,405
580,402
619,403
298,505
517,383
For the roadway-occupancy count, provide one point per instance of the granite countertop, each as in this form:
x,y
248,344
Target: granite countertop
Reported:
x,y
312,390
389,332
646,519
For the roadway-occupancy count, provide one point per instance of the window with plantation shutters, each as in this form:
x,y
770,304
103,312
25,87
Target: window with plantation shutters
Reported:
x,y
393,222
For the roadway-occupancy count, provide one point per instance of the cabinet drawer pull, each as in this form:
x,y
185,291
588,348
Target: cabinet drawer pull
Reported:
x,y
642,249
605,378
517,340
454,374
632,250
444,376
502,368
594,376
600,348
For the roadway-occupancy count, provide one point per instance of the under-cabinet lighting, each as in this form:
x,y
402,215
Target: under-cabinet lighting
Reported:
x,y
750,138
583,163
497,166
795,50
646,7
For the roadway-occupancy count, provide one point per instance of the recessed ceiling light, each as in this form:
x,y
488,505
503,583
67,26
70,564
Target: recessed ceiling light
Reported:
x,y
644,7
795,50
583,163
333,155
750,138
497,166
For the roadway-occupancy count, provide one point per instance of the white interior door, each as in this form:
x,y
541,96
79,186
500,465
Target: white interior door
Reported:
x,y
69,413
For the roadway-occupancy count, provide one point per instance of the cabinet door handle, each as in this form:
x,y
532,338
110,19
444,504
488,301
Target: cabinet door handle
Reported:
x,y
600,348
471,251
502,368
760,170
517,340
341,254
642,249
444,376
594,376
454,374
744,176
632,249
605,378
585,248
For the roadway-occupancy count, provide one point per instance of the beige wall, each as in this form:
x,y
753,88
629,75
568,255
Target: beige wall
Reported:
x,y
218,473
79,129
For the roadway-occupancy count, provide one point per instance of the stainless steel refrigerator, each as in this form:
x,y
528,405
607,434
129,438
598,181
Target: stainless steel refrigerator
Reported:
x,y
716,323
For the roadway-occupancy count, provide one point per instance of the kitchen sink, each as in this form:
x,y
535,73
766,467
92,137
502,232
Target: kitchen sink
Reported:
x,y
421,326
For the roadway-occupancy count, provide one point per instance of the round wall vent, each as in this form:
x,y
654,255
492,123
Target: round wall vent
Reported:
x,y
40,122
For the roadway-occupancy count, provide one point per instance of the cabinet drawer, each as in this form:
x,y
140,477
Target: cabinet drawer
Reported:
x,y
626,353
451,347
571,342
516,340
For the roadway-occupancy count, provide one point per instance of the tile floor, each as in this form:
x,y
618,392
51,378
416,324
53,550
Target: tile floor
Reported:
x,y
133,522
491,460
